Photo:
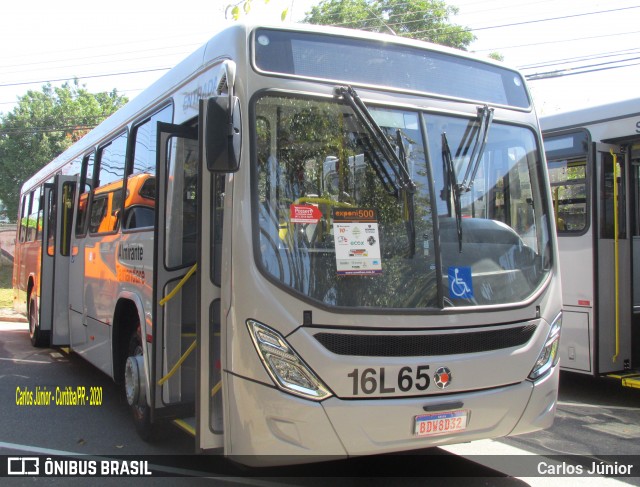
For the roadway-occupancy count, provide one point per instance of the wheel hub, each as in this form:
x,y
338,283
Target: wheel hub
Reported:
x,y
134,384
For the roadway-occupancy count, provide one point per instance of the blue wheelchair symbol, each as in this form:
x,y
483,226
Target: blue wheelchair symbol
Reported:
x,y
460,283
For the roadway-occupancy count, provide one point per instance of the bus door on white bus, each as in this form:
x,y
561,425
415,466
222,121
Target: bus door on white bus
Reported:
x,y
634,216
54,282
173,371
78,335
613,255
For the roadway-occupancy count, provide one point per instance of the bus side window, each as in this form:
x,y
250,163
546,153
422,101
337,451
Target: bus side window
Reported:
x,y
24,217
139,217
40,224
98,212
569,194
139,206
34,222
107,200
86,183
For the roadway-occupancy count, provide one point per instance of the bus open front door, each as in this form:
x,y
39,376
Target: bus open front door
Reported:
x,y
613,250
172,364
185,370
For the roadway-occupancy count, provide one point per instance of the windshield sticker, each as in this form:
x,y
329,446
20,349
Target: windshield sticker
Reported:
x,y
357,242
304,214
460,283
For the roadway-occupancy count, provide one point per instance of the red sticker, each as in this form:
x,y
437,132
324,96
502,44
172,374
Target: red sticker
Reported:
x,y
304,214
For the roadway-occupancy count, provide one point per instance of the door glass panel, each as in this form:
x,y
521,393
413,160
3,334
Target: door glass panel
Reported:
x,y
607,202
635,171
182,183
51,222
634,218
68,195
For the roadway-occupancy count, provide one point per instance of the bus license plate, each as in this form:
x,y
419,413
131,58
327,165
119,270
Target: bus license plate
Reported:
x,y
441,423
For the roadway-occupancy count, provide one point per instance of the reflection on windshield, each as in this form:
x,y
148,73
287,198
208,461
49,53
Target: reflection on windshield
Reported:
x,y
330,229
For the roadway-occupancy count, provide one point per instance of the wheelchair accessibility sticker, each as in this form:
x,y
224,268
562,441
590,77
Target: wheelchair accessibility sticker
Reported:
x,y
460,283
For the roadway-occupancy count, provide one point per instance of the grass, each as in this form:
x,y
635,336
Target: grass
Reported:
x,y
6,290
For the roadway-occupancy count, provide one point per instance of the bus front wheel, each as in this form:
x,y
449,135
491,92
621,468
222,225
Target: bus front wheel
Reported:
x,y
141,413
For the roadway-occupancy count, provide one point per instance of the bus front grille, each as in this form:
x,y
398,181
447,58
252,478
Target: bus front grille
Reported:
x,y
426,344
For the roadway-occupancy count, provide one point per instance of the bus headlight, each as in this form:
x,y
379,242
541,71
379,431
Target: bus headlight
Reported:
x,y
284,365
549,356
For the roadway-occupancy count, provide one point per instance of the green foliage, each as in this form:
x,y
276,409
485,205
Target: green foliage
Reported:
x,y
6,298
42,126
6,287
426,20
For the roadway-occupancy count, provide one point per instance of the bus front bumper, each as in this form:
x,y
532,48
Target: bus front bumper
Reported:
x,y
272,428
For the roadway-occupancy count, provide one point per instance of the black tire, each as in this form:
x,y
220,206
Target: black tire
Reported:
x,y
147,430
39,338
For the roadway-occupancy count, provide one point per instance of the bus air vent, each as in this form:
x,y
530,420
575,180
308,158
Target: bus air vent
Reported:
x,y
425,345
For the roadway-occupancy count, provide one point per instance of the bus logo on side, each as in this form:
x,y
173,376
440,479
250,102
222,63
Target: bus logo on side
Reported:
x,y
131,252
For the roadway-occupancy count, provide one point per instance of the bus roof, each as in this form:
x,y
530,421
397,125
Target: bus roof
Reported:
x,y
591,115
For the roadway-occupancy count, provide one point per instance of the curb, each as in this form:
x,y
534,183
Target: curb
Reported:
x,y
8,315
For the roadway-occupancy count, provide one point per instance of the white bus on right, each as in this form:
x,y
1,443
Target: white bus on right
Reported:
x,y
593,155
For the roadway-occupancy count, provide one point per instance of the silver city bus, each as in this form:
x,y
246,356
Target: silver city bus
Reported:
x,y
306,242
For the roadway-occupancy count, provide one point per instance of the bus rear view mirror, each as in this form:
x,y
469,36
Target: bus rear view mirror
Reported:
x,y
221,133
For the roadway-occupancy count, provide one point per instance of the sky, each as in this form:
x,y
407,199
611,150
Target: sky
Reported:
x,y
129,44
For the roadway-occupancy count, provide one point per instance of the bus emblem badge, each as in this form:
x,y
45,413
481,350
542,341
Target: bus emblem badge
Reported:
x,y
443,377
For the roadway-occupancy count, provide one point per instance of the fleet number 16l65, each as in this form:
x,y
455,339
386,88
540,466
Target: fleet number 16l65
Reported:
x,y
380,380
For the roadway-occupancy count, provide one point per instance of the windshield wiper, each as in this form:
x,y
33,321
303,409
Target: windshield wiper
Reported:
x,y
477,133
409,205
485,117
453,188
403,181
403,186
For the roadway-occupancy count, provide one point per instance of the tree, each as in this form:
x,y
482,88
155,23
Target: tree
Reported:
x,y
42,126
426,20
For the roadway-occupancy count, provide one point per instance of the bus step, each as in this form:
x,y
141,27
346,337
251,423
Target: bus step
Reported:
x,y
628,379
633,381
186,424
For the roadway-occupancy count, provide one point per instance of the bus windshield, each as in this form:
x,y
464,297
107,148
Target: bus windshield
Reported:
x,y
335,224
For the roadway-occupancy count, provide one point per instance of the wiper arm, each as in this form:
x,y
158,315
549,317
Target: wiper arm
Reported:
x,y
385,178
409,205
479,139
403,178
454,188
485,117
